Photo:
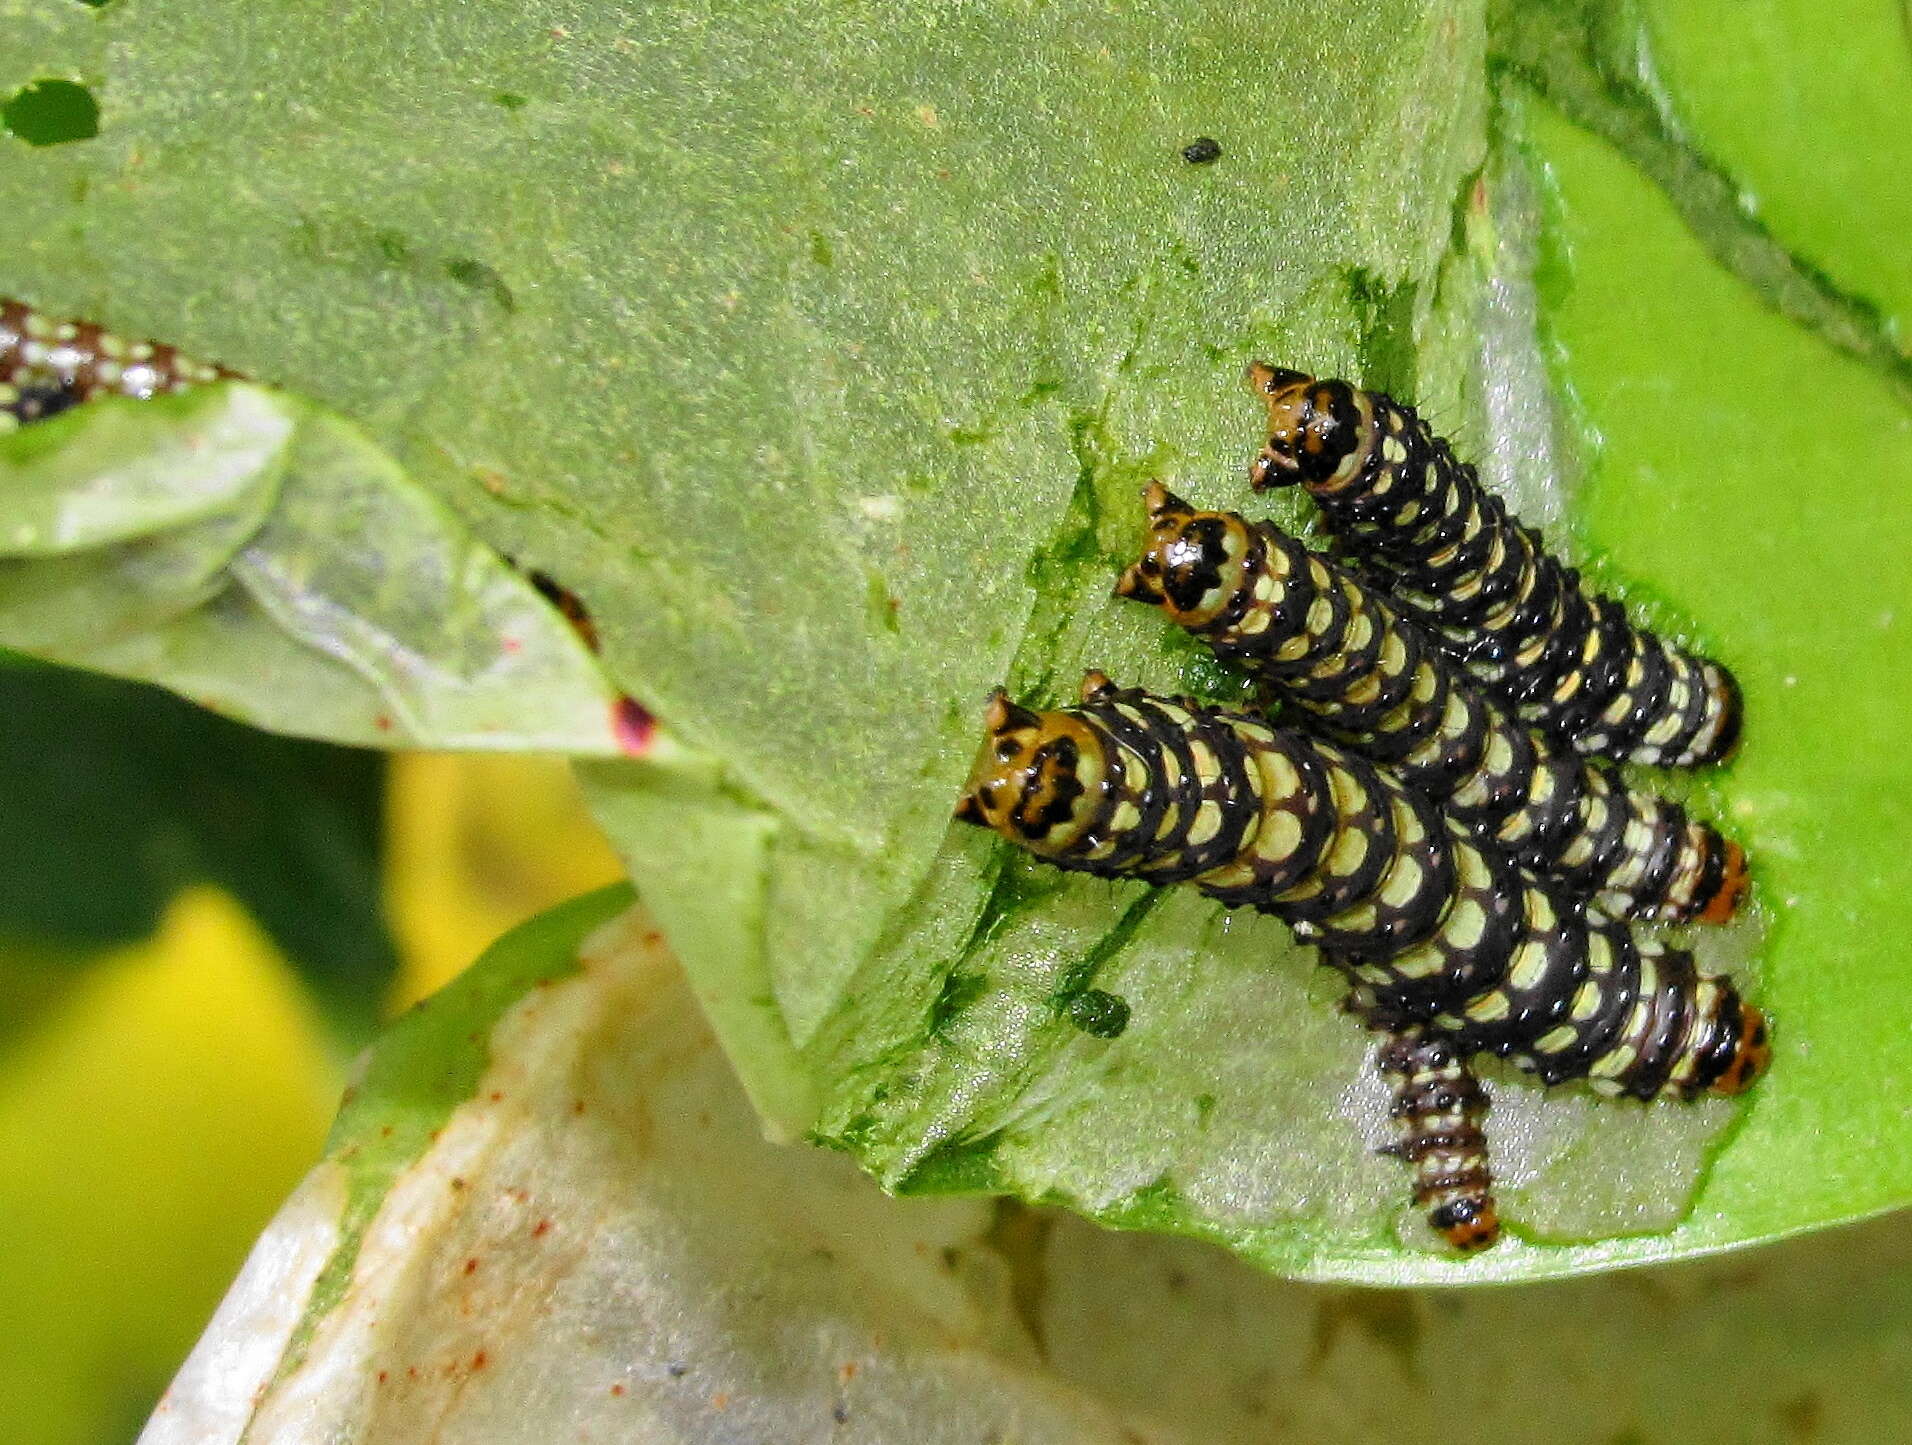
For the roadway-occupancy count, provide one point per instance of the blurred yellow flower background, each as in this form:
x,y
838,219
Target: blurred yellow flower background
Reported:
x,y
158,1109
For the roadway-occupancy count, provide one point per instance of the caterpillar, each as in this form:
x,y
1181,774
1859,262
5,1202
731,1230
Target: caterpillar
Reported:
x,y
47,366
1318,637
1522,622
1442,941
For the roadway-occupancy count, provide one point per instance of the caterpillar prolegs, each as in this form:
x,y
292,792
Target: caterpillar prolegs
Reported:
x,y
1517,618
1318,637
47,366
1433,931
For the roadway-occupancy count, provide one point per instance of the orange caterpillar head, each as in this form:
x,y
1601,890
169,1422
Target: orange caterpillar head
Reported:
x,y
1315,429
1194,566
1038,779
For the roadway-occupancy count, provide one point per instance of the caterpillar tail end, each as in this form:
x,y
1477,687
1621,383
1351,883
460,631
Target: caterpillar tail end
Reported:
x,y
1438,1107
1469,1225
1752,1052
1729,710
1734,881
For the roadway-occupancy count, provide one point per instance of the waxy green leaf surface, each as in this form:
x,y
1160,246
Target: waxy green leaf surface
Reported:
x,y
823,354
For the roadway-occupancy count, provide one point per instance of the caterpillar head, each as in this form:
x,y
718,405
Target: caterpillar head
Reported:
x,y
1195,563
1314,429
1037,779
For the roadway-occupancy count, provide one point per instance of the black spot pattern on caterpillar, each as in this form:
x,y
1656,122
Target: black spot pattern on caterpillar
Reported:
x,y
1518,619
1430,929
1321,639
48,365
34,402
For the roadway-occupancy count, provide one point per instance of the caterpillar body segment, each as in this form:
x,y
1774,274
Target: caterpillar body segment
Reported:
x,y
22,404
1431,929
1322,639
1519,620
1437,1108
47,365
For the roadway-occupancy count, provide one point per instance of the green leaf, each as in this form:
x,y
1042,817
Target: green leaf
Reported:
x,y
549,1202
1592,59
118,795
823,353
1759,479
262,557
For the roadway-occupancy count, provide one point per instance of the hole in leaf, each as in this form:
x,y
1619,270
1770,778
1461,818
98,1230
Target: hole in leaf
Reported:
x,y
51,112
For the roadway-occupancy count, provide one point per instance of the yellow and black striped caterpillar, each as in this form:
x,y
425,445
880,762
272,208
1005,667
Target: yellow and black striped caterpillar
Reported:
x,y
1569,661
1449,946
47,366
1319,638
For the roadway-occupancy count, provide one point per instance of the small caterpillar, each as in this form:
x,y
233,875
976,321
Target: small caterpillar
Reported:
x,y
1321,639
1517,618
1441,940
47,366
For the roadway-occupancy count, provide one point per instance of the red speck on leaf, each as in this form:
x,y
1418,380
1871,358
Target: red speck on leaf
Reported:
x,y
471,1265
633,727
617,1389
541,1229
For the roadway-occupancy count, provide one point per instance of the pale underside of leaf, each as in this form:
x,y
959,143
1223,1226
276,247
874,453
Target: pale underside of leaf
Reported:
x,y
588,1228
261,557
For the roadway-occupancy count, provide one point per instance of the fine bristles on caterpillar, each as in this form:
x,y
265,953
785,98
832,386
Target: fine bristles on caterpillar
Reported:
x,y
1567,659
1432,931
1323,641
48,365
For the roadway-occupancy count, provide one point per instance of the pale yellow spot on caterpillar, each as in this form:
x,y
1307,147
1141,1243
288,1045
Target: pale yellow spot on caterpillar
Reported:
x,y
1404,881
1488,1008
1586,1002
1422,962
1279,836
1349,852
1529,967
1466,925
1614,1062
